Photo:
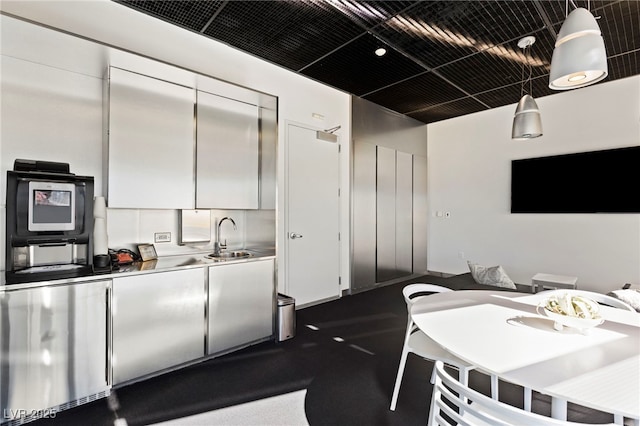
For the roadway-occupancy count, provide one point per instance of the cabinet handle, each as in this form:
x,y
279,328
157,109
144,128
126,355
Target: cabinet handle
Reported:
x,y
109,312
293,235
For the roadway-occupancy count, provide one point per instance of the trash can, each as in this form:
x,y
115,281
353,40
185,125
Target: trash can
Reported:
x,y
286,317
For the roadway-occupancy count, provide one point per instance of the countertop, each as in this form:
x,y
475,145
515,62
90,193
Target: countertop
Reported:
x,y
161,264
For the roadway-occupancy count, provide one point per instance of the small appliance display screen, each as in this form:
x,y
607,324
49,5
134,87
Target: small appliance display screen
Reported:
x,y
52,206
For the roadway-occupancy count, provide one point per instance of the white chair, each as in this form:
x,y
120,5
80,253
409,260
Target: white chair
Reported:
x,y
417,342
450,398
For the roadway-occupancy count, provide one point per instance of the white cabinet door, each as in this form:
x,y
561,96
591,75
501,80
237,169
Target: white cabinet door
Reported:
x,y
241,304
151,143
227,153
158,322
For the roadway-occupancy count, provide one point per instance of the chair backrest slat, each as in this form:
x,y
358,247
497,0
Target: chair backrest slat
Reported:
x,y
412,292
450,398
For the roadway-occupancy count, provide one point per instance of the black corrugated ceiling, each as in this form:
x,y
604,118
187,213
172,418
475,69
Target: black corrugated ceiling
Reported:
x,y
444,58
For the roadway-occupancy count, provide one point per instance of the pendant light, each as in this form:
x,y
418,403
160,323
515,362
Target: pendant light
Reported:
x,y
527,123
579,58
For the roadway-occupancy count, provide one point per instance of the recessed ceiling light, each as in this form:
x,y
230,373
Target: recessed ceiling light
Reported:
x,y
381,51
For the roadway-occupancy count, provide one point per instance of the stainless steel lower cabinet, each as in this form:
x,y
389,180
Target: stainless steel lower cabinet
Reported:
x,y
53,348
241,304
158,322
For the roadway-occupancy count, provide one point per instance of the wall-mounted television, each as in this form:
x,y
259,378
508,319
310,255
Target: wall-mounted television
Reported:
x,y
606,181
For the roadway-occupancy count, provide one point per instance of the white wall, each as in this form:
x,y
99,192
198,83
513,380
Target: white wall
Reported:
x,y
112,24
469,166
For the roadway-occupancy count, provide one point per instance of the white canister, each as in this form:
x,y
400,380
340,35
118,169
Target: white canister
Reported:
x,y
99,208
100,244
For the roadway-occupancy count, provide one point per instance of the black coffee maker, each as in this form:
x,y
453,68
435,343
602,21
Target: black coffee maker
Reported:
x,y
49,222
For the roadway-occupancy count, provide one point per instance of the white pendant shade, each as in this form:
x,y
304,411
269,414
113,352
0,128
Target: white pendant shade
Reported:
x,y
579,58
527,123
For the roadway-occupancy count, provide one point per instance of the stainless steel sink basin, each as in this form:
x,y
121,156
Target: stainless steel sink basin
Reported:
x,y
234,254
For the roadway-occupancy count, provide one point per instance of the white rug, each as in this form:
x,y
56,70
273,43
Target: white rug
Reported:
x,y
281,410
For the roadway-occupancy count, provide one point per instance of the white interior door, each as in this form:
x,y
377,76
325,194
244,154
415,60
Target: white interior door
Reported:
x,y
312,217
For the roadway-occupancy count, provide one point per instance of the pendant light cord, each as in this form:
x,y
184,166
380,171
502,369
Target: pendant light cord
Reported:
x,y
529,79
530,72
522,81
575,6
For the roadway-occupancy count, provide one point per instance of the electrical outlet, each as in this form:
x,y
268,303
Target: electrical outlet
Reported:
x,y
162,237
461,254
447,214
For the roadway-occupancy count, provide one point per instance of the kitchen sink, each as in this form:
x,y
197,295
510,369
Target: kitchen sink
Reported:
x,y
234,254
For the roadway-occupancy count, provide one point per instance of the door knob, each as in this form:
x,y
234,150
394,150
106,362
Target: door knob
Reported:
x,y
293,235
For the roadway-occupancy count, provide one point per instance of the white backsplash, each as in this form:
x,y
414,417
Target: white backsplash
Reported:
x,y
126,228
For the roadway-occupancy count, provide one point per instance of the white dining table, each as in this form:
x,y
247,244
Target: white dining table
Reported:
x,y
501,333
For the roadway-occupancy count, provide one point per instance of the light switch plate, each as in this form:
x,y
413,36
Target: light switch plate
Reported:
x,y
162,237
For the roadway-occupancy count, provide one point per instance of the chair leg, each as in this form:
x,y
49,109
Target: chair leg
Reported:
x,y
463,377
403,361
527,399
396,387
494,387
433,408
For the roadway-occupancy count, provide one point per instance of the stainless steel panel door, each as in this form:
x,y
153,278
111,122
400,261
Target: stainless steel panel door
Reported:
x,y
364,216
268,157
158,322
151,143
312,217
227,153
241,304
419,214
386,212
53,345
404,213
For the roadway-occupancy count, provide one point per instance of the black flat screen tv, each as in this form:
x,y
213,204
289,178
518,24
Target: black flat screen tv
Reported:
x,y
606,181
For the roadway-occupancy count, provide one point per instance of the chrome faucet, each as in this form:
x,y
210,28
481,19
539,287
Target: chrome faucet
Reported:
x,y
218,246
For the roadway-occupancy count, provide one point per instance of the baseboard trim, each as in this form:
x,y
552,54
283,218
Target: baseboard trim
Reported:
x,y
385,283
440,274
316,302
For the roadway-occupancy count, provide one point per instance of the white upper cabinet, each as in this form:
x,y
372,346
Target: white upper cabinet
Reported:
x,y
151,143
227,153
